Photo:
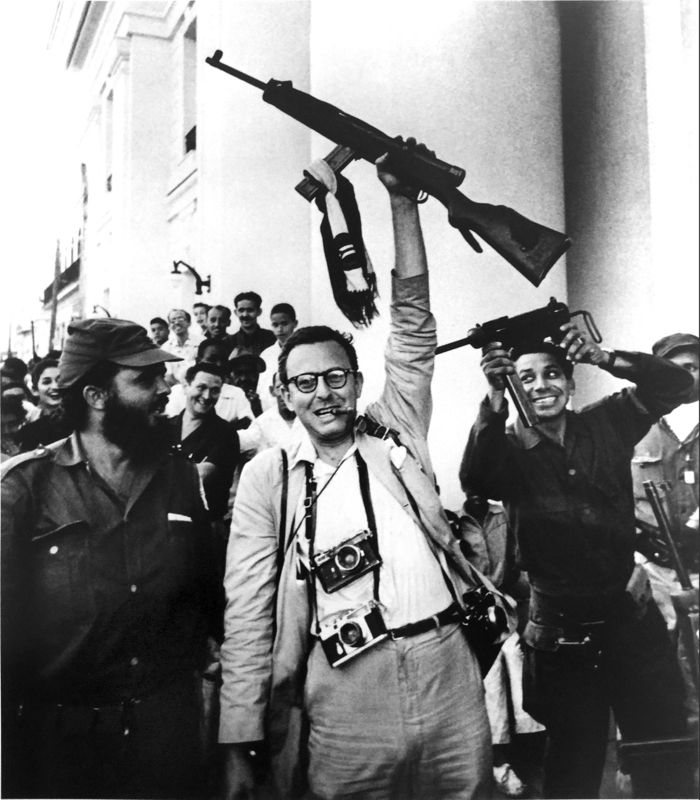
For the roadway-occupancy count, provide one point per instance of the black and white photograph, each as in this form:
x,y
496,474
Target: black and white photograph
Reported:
x,y
350,389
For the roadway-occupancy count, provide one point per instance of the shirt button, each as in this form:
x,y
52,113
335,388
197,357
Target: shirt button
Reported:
x,y
53,550
134,661
572,472
133,588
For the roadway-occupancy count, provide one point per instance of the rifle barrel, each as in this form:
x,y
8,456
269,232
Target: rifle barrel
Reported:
x,y
215,61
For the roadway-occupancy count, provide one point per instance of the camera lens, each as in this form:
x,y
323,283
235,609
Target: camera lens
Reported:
x,y
351,634
348,557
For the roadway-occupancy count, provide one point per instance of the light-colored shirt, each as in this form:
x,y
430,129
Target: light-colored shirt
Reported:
x,y
683,419
186,351
266,431
411,584
232,404
270,357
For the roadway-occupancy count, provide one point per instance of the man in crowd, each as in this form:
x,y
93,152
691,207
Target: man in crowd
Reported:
x,y
283,321
245,368
669,452
248,307
218,320
395,707
181,344
668,455
232,405
594,639
204,437
108,587
45,424
159,331
274,426
200,312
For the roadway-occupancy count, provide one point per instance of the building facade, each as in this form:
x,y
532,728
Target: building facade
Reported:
x,y
559,110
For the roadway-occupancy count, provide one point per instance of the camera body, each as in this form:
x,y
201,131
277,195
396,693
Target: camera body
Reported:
x,y
482,619
353,633
346,562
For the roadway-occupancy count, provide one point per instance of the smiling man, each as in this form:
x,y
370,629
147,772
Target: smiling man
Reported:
x,y
595,640
205,438
108,587
367,648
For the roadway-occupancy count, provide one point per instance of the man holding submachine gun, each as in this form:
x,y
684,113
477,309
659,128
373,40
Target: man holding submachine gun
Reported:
x,y
595,639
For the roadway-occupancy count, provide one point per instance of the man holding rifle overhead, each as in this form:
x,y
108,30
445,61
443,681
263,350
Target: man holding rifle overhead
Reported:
x,y
595,639
344,581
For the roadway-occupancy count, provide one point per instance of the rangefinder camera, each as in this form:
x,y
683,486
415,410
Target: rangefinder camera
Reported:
x,y
483,620
347,561
353,633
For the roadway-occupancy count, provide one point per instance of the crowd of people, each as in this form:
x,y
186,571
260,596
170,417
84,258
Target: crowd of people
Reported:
x,y
220,576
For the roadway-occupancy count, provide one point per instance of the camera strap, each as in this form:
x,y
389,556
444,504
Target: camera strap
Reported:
x,y
310,499
363,475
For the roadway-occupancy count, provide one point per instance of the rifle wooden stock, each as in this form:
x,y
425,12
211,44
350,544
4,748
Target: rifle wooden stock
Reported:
x,y
528,246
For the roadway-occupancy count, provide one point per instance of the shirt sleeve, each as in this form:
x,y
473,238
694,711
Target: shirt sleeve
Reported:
x,y
249,582
660,386
487,467
409,358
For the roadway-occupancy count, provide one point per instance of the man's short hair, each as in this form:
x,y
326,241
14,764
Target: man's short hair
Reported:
x,y
204,366
553,350
74,404
40,367
315,334
284,308
208,344
224,310
182,311
205,306
254,297
14,368
158,321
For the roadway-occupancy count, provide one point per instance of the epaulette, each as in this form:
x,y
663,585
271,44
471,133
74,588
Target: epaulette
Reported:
x,y
23,458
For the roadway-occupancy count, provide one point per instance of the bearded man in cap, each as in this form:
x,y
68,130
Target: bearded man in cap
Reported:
x,y
108,588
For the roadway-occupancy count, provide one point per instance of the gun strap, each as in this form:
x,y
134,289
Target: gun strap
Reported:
x,y
352,277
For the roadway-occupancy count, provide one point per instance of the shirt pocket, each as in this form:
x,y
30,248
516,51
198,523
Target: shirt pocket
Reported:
x,y
62,579
645,467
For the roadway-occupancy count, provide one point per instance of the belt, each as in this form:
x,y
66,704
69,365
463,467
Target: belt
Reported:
x,y
452,613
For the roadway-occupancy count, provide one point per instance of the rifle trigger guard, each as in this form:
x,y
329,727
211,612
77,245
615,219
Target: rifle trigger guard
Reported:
x,y
422,196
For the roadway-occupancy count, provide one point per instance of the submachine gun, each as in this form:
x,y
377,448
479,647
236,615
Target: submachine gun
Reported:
x,y
529,247
532,326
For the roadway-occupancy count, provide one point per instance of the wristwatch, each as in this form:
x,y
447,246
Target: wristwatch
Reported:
x,y
612,356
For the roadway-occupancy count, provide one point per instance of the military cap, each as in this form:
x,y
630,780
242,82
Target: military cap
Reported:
x,y
674,342
118,341
241,356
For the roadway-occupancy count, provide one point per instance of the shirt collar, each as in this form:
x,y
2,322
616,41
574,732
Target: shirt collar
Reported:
x,y
307,452
531,437
70,452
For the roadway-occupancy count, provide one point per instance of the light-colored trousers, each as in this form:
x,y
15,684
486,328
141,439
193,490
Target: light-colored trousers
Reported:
x,y
405,720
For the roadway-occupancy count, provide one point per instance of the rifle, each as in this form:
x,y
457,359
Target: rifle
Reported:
x,y
685,602
529,247
532,326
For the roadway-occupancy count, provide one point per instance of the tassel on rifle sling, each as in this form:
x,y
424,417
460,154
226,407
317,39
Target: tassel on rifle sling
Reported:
x,y
353,280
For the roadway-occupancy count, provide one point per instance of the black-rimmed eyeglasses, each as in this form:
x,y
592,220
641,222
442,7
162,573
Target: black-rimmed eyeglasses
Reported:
x,y
335,378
